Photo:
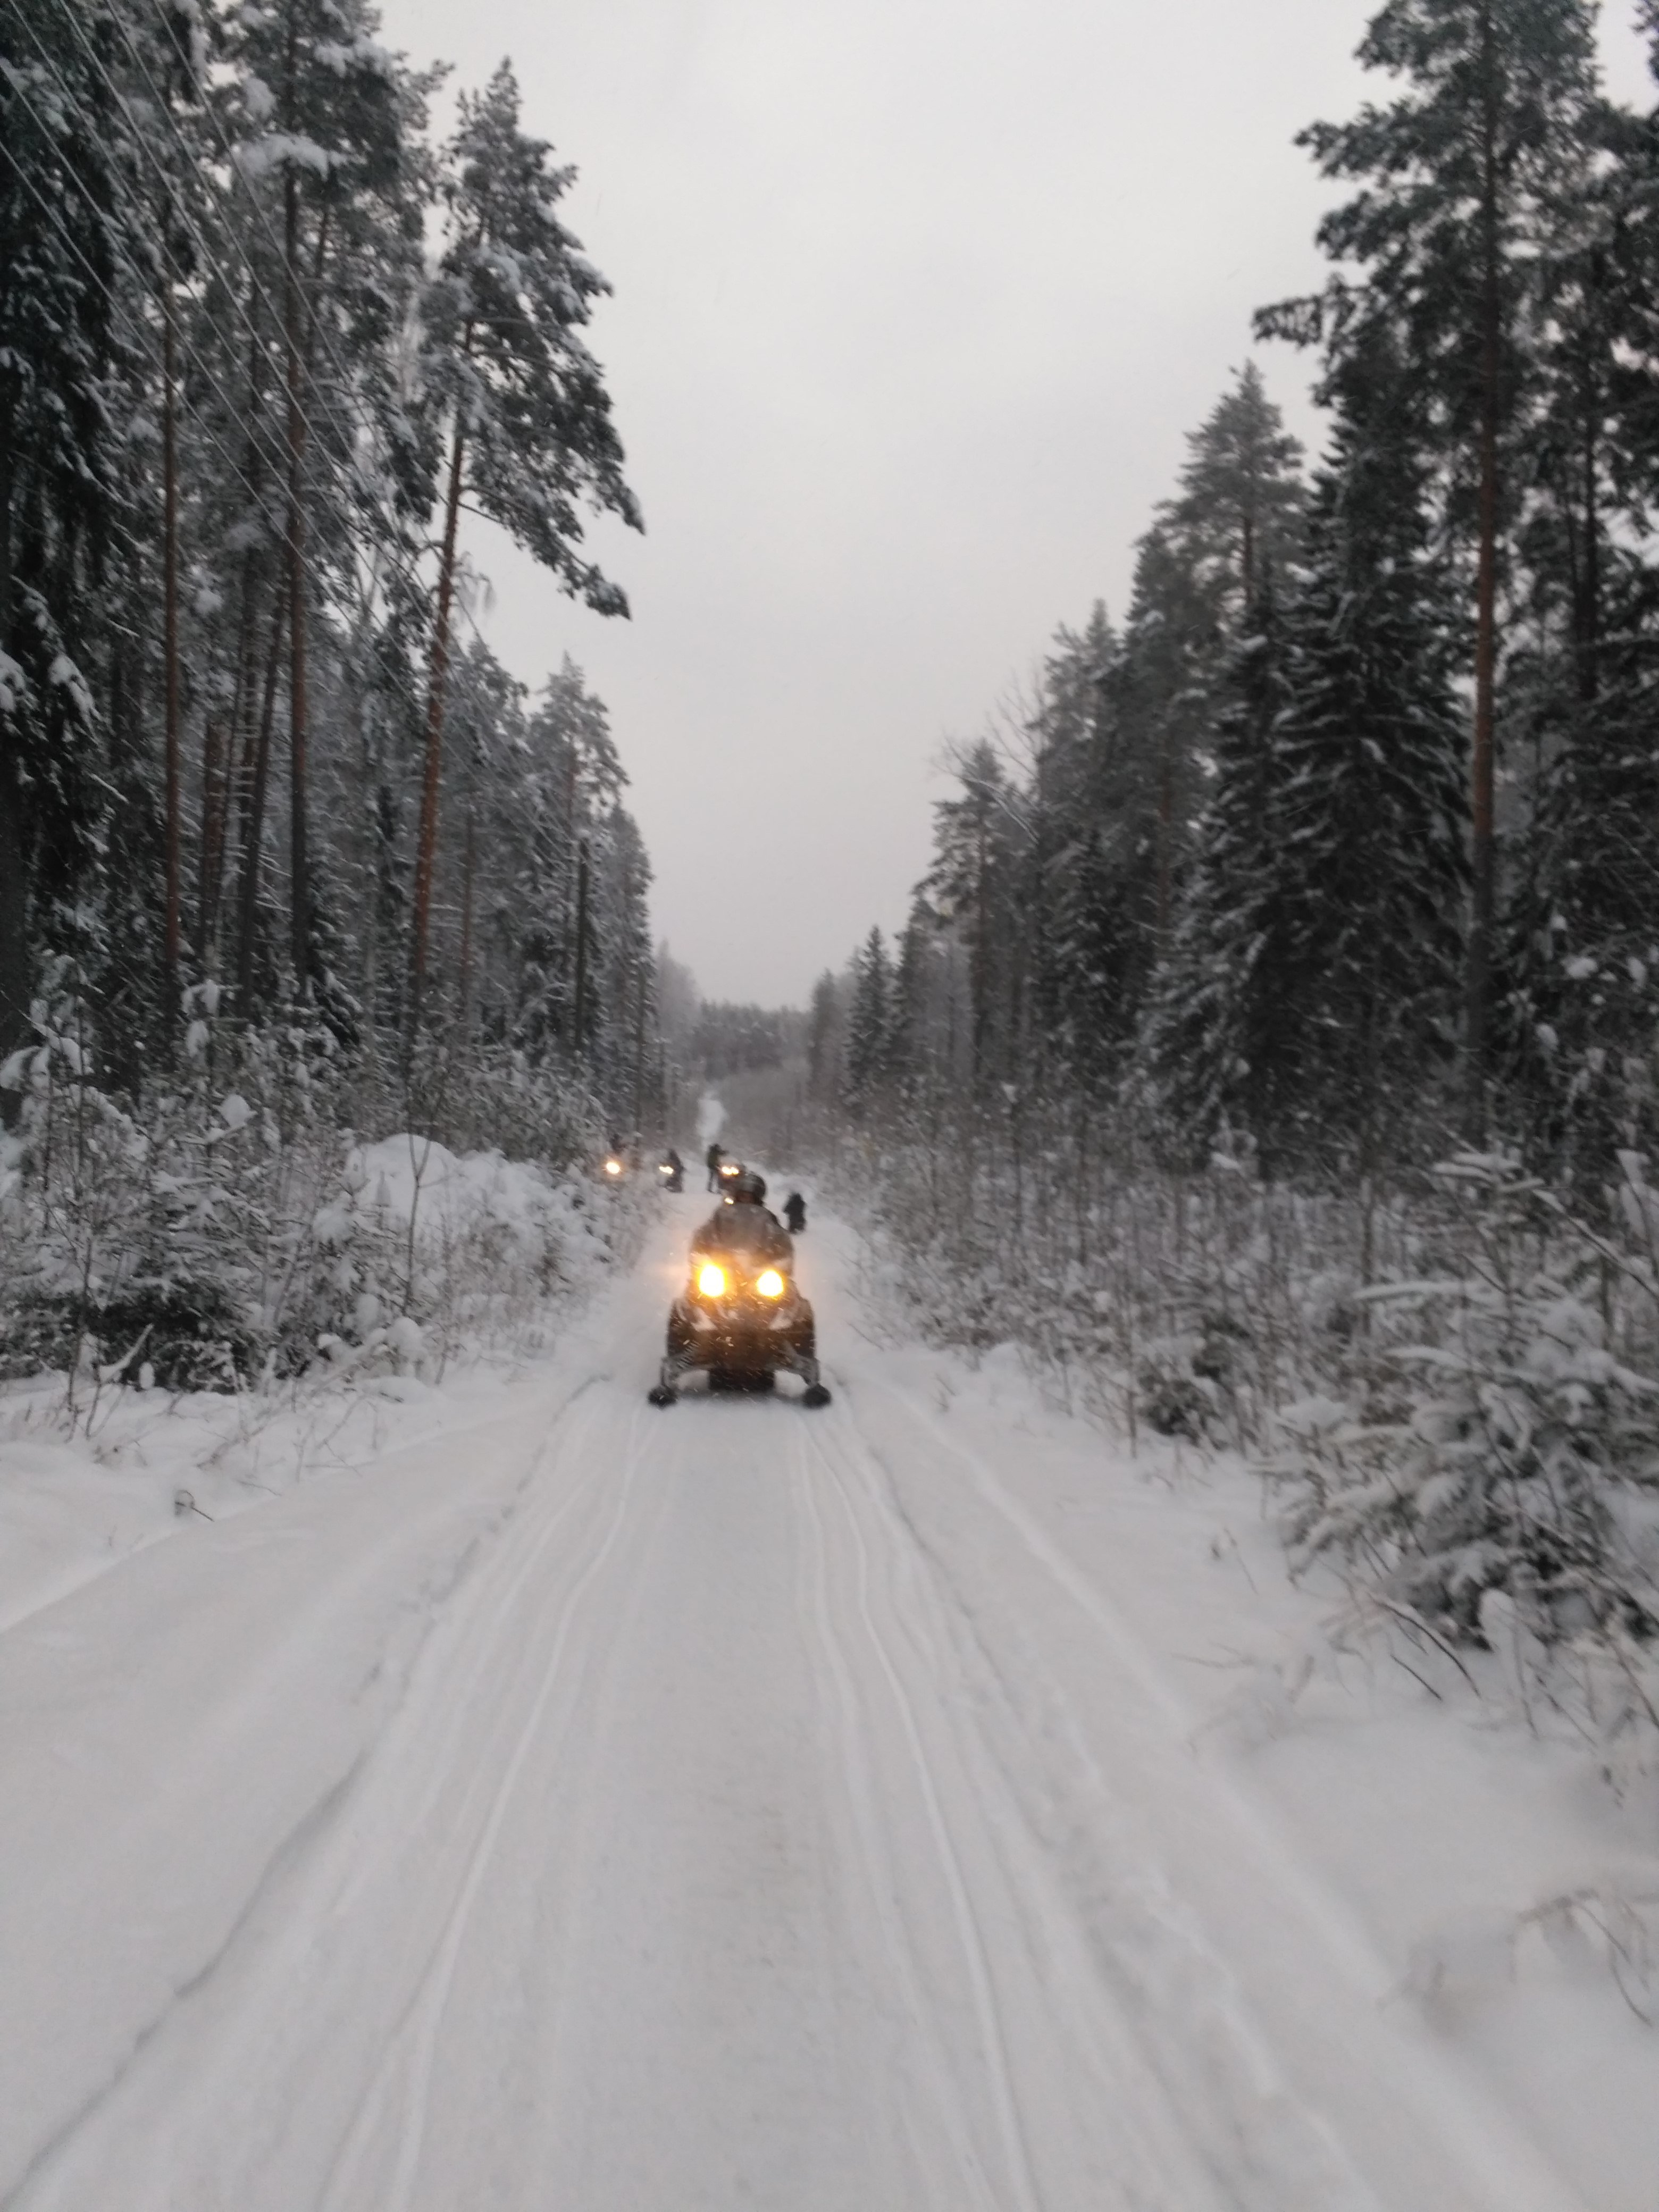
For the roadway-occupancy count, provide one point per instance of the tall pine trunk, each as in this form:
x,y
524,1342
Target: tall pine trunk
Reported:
x,y
298,702
1482,844
253,838
215,806
426,844
170,640
468,856
14,894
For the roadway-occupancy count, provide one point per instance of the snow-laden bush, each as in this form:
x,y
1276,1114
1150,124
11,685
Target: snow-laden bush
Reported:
x,y
232,1228
1505,1436
1191,1305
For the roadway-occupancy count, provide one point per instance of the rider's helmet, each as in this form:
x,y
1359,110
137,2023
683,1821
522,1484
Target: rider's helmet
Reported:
x,y
749,1186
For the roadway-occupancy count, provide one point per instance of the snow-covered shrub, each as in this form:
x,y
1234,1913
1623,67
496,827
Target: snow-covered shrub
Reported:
x,y
1192,1305
231,1226
1521,1455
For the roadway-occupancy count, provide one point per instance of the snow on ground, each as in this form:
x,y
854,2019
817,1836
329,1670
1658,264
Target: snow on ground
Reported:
x,y
892,1809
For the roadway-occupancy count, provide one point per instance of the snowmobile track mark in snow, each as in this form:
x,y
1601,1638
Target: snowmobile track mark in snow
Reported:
x,y
422,2021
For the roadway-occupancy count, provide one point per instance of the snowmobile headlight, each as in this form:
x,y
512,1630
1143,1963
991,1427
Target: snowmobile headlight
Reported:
x,y
711,1281
613,1167
770,1284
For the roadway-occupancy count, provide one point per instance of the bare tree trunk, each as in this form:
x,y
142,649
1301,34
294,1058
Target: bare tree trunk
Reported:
x,y
15,978
216,800
239,742
1589,672
1481,779
298,702
426,844
254,832
467,858
170,639
578,1009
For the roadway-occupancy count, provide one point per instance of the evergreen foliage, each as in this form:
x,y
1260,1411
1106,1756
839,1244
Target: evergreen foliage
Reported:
x,y
230,387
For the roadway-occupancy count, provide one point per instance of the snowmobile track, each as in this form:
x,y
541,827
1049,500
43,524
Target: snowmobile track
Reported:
x,y
683,1815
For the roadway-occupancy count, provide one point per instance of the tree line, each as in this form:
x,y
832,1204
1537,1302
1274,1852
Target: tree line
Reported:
x,y
1344,844
264,342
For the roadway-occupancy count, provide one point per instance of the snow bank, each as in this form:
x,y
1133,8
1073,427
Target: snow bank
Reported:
x,y
446,1272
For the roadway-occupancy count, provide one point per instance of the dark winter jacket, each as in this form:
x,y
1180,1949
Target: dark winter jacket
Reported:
x,y
754,1230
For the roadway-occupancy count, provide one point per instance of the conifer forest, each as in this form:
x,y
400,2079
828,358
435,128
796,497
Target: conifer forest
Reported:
x,y
1273,1043
275,824
1288,939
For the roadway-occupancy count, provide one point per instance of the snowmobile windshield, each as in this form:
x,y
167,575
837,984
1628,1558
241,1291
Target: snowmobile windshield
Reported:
x,y
751,1228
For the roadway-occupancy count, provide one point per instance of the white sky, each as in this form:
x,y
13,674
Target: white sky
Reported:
x,y
914,301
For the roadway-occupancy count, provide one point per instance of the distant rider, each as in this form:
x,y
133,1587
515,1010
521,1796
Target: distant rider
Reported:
x,y
794,1213
676,1167
714,1156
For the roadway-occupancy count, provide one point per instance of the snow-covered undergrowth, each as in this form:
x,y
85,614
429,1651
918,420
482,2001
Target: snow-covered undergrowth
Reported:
x,y
198,1307
1451,1392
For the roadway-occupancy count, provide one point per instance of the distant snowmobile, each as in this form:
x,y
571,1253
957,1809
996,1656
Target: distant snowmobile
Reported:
x,y
740,1318
671,1168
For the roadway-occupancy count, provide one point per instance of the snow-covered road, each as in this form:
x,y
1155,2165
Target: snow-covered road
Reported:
x,y
635,1812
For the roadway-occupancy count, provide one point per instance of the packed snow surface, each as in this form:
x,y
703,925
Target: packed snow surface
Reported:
x,y
584,1806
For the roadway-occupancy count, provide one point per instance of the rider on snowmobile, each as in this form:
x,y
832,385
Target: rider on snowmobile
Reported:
x,y
745,1223
741,1317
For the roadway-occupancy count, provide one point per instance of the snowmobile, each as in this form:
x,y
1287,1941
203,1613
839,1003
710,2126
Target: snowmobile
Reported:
x,y
740,1318
670,1169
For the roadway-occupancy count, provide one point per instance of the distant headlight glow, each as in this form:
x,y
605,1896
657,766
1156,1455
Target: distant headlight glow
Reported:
x,y
770,1285
613,1167
711,1281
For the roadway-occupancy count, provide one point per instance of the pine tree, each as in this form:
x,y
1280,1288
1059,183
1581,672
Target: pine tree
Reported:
x,y
525,414
1582,954
1470,175
1239,515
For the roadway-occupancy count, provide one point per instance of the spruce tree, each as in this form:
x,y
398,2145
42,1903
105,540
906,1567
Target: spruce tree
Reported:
x,y
978,841
1213,1047
67,243
1088,865
869,1028
1233,517
1369,867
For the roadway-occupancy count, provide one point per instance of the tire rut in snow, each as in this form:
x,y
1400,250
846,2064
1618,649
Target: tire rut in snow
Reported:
x,y
1159,2035
248,2092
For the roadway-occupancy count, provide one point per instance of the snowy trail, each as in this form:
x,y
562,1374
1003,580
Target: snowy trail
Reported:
x,y
615,1810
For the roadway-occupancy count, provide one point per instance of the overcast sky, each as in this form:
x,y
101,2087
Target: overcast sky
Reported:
x,y
914,301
